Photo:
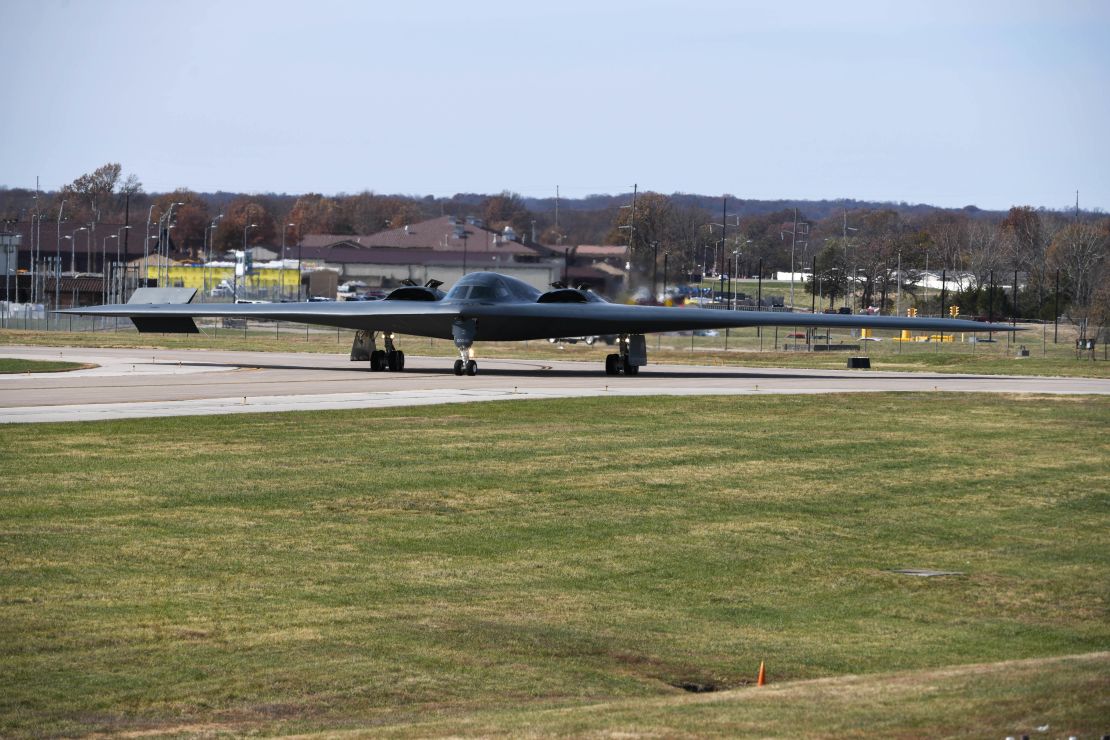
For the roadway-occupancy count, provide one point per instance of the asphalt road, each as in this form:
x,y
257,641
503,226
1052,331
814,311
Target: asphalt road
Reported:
x,y
133,383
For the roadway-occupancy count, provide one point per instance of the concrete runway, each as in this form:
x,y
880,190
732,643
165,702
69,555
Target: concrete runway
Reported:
x,y
134,383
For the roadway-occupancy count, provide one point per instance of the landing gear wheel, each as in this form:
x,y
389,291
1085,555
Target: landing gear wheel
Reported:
x,y
628,367
458,367
377,361
611,364
471,367
395,360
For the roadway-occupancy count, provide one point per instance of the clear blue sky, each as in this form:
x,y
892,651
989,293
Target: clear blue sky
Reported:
x,y
950,102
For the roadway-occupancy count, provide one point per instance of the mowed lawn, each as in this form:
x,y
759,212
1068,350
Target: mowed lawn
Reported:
x,y
11,365
565,566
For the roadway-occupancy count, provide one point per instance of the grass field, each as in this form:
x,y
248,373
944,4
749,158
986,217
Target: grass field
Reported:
x,y
11,365
739,348
563,567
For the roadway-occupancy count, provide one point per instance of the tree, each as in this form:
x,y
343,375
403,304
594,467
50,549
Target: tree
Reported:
x,y
89,194
240,213
507,209
1080,251
190,220
314,214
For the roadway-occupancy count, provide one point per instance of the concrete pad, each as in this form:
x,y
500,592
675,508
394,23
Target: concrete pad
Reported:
x,y
133,383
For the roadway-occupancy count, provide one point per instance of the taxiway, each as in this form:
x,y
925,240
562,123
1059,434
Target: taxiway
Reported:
x,y
135,383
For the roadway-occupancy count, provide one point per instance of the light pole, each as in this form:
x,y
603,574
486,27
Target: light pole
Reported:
x,y
209,237
169,225
283,231
104,267
73,249
654,269
146,243
844,235
58,257
119,279
90,239
34,219
300,245
235,288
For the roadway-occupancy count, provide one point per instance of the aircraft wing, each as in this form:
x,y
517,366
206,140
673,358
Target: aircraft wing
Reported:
x,y
422,318
508,321
542,320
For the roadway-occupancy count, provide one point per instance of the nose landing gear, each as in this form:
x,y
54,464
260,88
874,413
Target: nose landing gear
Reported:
x,y
463,331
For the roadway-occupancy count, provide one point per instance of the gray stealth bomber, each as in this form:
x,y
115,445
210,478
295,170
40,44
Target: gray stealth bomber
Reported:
x,y
486,306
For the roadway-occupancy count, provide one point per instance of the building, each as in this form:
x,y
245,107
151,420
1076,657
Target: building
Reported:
x,y
443,249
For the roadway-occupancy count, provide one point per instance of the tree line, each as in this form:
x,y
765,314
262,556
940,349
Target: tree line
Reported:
x,y
850,245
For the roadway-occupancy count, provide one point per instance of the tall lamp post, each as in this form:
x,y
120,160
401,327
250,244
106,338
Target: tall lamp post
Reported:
x,y
166,242
283,232
58,257
235,289
104,267
300,246
73,249
654,269
120,278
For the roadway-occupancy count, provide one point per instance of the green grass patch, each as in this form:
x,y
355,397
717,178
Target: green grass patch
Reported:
x,y
474,565
12,365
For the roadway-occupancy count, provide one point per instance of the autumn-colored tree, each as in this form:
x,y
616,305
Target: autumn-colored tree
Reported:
x,y
90,194
189,221
658,227
241,213
507,209
314,214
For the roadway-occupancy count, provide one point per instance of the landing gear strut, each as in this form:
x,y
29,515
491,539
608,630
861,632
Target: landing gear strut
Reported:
x,y
632,356
365,348
464,331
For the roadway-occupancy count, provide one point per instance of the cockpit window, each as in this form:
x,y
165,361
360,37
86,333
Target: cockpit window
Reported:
x,y
487,288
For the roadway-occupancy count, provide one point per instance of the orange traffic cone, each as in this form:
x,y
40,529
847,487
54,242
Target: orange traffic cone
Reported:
x,y
762,676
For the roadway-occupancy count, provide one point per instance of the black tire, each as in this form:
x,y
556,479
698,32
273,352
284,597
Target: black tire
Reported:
x,y
611,364
628,367
377,361
471,367
399,365
458,367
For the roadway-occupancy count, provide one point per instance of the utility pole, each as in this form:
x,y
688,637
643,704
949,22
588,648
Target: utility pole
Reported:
x,y
793,242
724,233
654,268
898,288
58,259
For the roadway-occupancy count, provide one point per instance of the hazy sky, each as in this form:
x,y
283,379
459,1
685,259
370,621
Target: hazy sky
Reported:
x,y
950,103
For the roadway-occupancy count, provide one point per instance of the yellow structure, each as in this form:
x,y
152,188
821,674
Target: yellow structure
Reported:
x,y
264,280
864,333
954,311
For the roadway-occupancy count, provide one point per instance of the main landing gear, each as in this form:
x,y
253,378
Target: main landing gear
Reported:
x,y
365,348
632,356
